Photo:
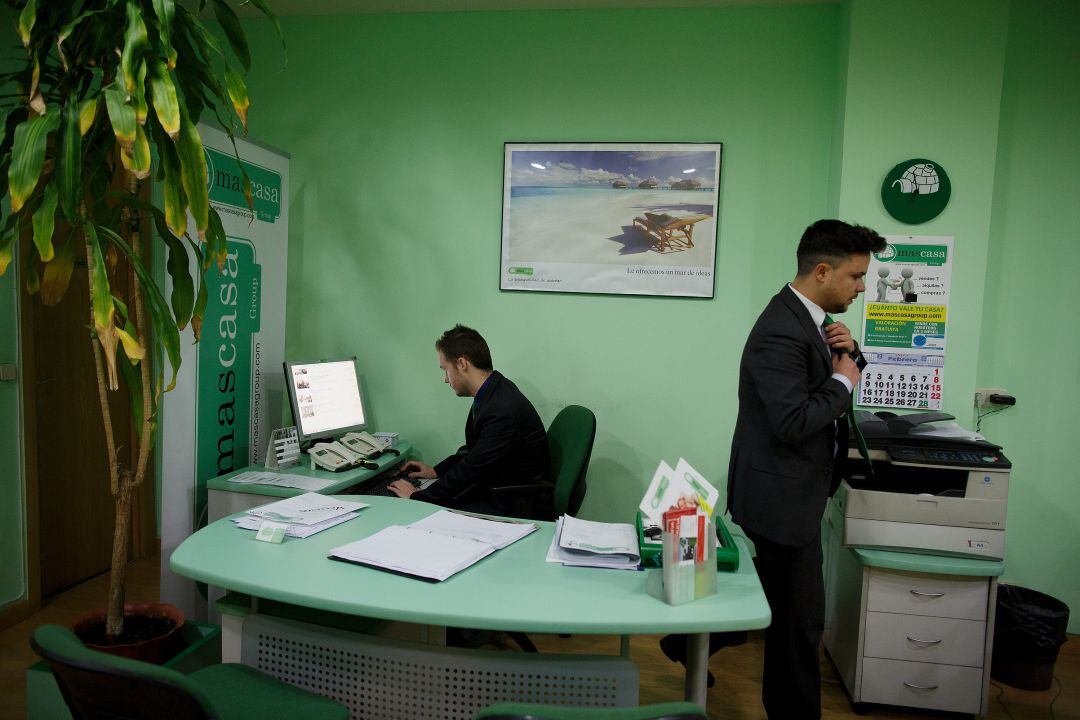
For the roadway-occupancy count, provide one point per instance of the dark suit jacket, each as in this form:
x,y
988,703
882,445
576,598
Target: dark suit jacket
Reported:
x,y
505,444
782,468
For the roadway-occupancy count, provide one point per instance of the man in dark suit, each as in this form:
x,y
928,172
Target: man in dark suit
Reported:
x,y
795,384
505,441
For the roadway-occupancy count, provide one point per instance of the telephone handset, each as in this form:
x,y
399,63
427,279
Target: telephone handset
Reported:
x,y
365,444
332,456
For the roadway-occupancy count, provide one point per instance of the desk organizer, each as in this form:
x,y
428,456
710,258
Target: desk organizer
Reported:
x,y
727,555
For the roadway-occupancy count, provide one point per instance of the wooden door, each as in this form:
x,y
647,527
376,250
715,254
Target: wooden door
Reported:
x,y
75,506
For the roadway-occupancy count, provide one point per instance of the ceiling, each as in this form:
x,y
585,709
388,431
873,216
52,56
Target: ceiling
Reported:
x,y
357,7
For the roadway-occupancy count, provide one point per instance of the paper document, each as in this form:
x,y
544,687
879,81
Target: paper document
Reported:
x,y
306,509
436,547
250,522
945,430
678,487
259,477
583,543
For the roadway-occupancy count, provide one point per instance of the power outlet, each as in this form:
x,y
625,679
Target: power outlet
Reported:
x,y
982,395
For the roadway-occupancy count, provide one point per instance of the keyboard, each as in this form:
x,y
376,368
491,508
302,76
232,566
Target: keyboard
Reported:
x,y
380,486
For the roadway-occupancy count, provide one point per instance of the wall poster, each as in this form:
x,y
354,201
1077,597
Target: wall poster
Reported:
x,y
618,218
230,387
905,316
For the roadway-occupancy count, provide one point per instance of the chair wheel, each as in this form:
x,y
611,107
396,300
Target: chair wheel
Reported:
x,y
860,708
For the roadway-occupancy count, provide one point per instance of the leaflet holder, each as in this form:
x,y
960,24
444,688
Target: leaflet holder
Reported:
x,y
689,557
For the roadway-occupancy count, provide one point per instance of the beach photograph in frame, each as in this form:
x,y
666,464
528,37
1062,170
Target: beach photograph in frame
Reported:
x,y
614,218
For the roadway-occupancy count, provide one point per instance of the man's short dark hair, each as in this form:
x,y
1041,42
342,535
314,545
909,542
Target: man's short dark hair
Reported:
x,y
464,342
833,242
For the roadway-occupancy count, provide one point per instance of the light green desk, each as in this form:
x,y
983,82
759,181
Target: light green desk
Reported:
x,y
225,498
512,590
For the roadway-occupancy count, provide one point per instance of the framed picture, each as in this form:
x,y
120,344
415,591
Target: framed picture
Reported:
x,y
616,218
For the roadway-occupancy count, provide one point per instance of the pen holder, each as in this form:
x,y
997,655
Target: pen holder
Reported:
x,y
689,560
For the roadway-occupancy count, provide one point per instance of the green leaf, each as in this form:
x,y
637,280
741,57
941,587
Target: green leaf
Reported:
x,y
69,165
27,18
101,302
217,245
183,286
165,11
68,28
199,311
261,5
238,94
173,191
138,98
164,325
134,43
133,381
163,93
45,222
28,155
233,32
193,173
33,280
121,114
57,274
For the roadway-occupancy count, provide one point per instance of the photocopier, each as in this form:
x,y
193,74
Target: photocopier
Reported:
x,y
936,489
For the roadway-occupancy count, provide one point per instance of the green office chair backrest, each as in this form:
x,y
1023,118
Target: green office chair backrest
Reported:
x,y
98,685
570,440
526,711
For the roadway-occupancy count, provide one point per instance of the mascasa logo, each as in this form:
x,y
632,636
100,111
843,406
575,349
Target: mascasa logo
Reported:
x,y
887,254
225,182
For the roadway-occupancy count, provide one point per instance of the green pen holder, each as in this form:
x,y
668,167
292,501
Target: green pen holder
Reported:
x,y
727,554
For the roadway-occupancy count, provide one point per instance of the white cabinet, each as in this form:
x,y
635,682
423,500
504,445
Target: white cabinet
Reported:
x,y
910,638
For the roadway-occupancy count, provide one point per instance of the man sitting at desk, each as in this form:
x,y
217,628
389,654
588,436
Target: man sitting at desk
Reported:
x,y
505,442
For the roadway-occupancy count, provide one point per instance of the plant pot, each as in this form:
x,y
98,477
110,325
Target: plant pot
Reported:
x,y
155,649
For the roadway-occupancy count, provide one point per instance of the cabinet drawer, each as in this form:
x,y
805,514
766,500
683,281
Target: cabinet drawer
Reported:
x,y
925,639
950,596
923,685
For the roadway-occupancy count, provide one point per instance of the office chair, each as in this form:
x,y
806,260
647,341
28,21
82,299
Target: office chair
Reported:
x,y
570,444
526,711
98,686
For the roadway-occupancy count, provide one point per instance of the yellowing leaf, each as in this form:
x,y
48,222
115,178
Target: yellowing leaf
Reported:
x,y
44,222
134,45
238,94
163,93
28,156
57,274
173,191
193,173
26,21
121,115
132,348
87,114
137,160
103,308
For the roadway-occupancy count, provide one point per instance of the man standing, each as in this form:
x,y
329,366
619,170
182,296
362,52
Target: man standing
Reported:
x,y
795,383
505,441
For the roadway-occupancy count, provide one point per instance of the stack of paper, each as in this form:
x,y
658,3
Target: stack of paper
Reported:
x,y
261,477
434,548
585,543
305,514
675,489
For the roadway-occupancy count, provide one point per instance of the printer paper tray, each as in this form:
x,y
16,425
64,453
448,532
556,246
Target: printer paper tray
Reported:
x,y
920,538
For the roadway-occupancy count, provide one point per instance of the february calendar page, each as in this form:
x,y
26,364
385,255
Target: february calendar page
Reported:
x,y
905,318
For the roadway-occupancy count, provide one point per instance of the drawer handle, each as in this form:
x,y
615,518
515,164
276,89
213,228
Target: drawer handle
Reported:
x,y
915,686
923,642
926,594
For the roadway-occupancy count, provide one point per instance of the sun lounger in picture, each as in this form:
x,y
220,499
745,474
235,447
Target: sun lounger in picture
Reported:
x,y
669,231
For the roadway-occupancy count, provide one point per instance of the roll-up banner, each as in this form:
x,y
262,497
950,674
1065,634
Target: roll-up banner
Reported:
x,y
229,390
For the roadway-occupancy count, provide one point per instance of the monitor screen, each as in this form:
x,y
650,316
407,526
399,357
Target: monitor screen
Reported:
x,y
325,397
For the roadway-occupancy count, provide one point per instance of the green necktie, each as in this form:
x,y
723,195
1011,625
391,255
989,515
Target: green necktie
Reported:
x,y
860,441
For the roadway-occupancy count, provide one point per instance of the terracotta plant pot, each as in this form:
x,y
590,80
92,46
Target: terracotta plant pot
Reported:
x,y
156,649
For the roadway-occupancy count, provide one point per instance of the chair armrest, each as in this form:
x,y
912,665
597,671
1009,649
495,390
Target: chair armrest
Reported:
x,y
522,489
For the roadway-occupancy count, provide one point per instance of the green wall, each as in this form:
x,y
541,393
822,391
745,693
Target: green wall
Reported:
x,y
12,501
1030,340
396,127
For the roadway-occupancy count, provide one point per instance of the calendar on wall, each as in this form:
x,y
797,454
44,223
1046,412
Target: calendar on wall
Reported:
x,y
905,318
912,384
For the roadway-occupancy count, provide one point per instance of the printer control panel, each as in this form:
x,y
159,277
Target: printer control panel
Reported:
x,y
969,458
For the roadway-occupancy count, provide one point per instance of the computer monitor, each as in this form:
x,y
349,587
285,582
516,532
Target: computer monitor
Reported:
x,y
325,398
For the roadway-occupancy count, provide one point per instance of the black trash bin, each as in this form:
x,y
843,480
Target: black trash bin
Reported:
x,y
1028,631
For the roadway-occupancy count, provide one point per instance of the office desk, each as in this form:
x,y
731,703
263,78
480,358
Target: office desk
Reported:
x,y
511,590
225,498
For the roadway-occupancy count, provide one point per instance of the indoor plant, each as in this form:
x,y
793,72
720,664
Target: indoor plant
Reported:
x,y
113,88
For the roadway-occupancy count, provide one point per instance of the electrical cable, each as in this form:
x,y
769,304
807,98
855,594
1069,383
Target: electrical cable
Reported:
x,y
978,423
1054,700
1001,701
